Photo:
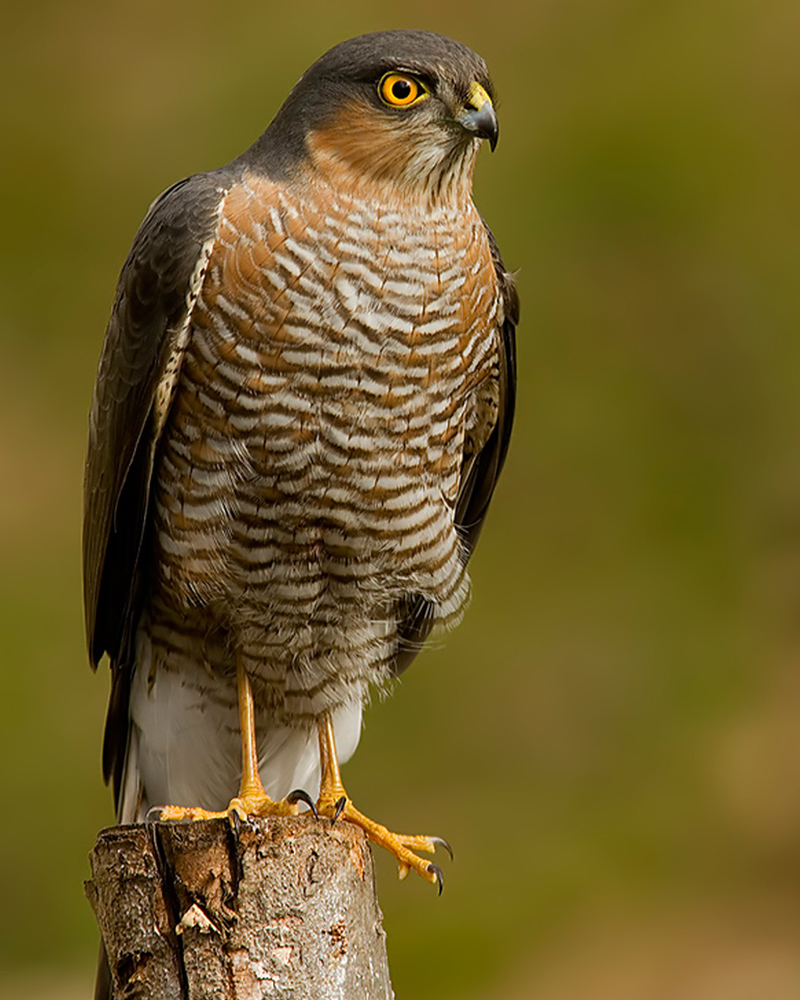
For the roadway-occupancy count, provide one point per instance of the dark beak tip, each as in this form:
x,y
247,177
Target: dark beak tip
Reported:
x,y
482,122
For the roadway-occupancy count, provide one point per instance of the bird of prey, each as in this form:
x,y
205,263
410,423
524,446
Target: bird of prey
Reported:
x,y
303,404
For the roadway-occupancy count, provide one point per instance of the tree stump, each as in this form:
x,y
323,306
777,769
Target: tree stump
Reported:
x,y
281,908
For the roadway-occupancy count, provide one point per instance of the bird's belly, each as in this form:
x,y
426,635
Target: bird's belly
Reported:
x,y
288,535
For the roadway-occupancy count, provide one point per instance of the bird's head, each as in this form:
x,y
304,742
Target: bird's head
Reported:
x,y
404,109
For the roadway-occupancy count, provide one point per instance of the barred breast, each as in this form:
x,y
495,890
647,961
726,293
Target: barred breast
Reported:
x,y
339,357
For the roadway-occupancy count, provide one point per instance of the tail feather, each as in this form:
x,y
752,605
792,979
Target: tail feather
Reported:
x,y
131,808
103,989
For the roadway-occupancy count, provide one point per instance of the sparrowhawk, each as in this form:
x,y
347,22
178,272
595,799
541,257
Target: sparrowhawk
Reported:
x,y
302,407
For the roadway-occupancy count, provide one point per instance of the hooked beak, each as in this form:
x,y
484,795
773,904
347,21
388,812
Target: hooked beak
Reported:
x,y
479,117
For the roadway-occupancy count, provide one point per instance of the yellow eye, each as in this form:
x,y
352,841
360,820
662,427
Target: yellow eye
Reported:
x,y
400,90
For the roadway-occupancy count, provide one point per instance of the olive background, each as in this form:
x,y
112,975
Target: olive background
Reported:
x,y
611,740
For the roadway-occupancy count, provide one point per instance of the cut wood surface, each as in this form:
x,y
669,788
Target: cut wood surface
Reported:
x,y
280,908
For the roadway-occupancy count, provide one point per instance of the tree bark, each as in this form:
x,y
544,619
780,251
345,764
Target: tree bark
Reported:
x,y
282,908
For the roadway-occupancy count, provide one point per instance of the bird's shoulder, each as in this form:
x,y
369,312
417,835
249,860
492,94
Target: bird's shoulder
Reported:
x,y
155,281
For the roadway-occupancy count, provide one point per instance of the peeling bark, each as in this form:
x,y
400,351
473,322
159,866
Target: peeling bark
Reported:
x,y
284,908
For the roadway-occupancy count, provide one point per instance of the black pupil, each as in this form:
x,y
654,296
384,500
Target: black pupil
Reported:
x,y
401,89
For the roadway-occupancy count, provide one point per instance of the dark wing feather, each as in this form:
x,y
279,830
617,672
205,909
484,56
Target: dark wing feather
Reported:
x,y
479,473
143,344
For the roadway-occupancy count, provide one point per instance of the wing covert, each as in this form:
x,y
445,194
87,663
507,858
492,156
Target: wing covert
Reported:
x,y
139,364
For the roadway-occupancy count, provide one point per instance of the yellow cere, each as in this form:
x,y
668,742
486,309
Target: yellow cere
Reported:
x,y
478,96
401,90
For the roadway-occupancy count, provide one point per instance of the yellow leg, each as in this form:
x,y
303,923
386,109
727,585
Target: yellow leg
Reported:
x,y
335,802
252,800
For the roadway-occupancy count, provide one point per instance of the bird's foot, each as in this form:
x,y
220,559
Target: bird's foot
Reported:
x,y
335,804
180,814
249,802
258,803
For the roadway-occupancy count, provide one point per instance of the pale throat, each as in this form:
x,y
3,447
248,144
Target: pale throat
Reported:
x,y
393,166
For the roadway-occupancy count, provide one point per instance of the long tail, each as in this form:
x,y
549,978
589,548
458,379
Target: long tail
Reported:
x,y
130,809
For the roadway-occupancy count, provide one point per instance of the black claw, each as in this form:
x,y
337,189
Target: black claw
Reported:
x,y
437,871
236,822
301,795
337,812
441,842
153,814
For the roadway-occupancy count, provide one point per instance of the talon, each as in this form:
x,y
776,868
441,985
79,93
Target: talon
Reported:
x,y
300,795
441,842
235,820
338,809
153,814
333,803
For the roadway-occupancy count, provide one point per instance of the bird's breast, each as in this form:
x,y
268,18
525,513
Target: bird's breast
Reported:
x,y
313,450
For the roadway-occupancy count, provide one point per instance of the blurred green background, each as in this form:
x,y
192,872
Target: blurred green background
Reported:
x,y
612,739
